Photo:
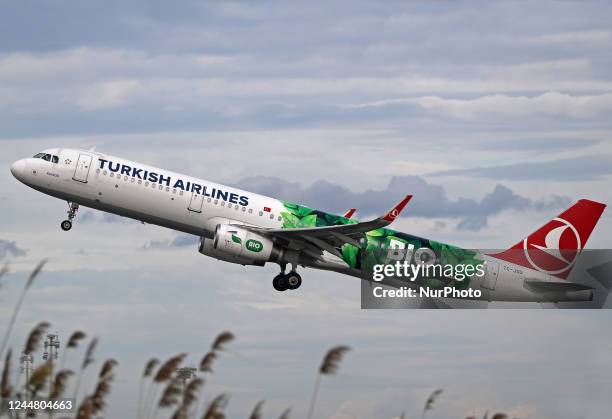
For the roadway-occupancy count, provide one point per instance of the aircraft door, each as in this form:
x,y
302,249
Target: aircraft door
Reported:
x,y
492,273
195,204
82,168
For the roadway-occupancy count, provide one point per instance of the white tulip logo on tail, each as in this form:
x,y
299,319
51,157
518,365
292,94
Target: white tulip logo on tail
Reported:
x,y
554,248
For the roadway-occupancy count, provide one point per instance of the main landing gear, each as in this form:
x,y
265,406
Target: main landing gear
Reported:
x,y
284,282
72,210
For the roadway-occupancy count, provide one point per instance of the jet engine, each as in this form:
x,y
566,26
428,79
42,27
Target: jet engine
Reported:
x,y
235,244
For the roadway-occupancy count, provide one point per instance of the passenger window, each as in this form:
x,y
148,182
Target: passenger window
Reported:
x,y
271,216
216,201
260,213
243,209
222,203
167,189
173,190
250,210
112,174
236,207
133,180
181,193
147,184
55,159
97,170
140,181
125,178
105,173
208,200
280,218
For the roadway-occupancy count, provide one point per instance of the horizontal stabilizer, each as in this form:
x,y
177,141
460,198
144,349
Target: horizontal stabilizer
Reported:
x,y
540,286
561,291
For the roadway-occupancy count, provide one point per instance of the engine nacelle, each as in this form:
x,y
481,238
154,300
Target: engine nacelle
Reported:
x,y
232,243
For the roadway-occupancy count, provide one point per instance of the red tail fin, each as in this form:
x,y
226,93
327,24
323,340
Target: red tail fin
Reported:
x,y
553,248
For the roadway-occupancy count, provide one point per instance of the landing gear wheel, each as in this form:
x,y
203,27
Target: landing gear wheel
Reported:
x,y
294,280
280,282
72,210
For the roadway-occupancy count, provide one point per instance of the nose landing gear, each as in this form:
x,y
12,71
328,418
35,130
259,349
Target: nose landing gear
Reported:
x,y
290,281
72,210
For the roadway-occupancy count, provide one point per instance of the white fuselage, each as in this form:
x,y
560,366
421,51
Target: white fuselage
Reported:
x,y
129,192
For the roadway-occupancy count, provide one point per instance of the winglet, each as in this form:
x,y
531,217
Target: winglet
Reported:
x,y
350,213
395,212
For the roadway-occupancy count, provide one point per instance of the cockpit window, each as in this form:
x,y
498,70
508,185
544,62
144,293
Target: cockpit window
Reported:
x,y
47,157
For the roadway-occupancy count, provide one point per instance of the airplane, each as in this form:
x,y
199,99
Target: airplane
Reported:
x,y
245,228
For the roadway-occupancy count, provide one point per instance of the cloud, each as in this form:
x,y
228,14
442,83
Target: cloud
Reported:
x,y
583,168
131,87
550,103
10,248
109,94
595,36
430,200
554,143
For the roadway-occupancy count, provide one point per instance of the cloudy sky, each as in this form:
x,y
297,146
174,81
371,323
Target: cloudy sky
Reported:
x,y
495,116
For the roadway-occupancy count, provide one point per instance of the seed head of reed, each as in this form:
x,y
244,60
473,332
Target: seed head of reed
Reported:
x,y
35,273
432,399
35,337
89,359
180,413
86,409
39,377
98,398
6,390
75,338
171,394
150,367
221,340
257,410
167,369
332,359
59,385
107,369
216,408
207,361
192,391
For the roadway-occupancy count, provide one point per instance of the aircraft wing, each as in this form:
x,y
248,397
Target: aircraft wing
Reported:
x,y
329,237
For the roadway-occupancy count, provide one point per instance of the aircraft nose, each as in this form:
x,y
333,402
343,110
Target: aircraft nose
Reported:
x,y
18,169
